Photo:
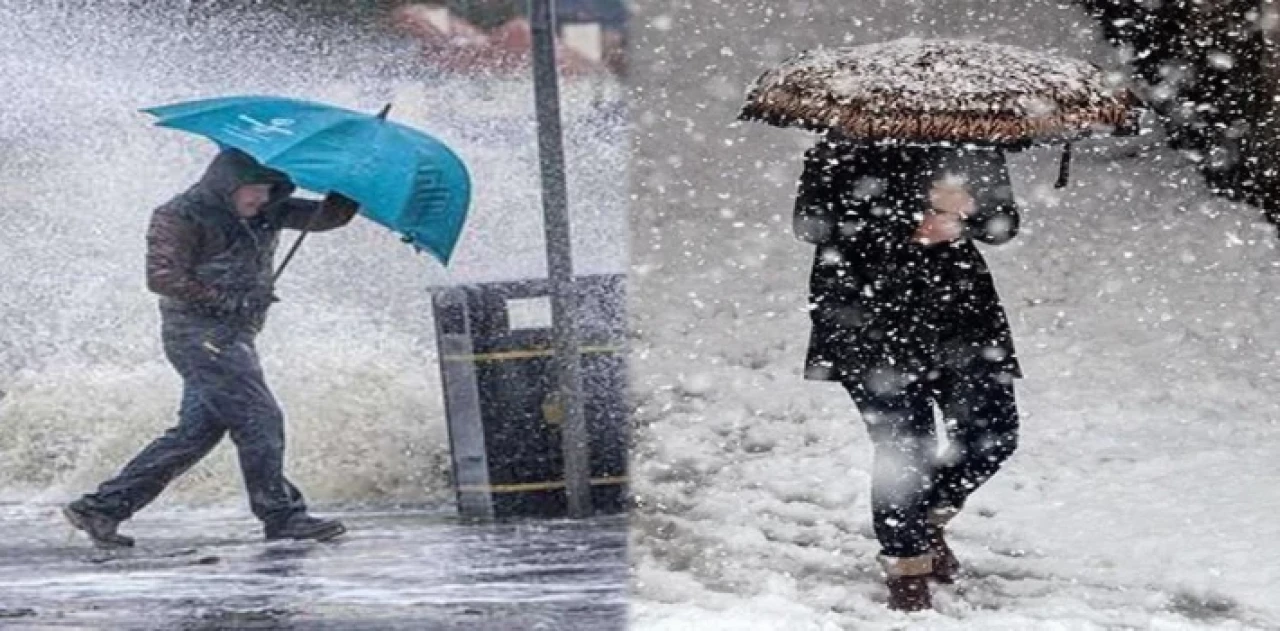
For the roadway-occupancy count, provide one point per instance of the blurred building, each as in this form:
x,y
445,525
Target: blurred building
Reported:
x,y
493,36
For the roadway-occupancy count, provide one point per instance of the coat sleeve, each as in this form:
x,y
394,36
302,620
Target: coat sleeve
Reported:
x,y
995,219
304,214
172,243
815,214
837,201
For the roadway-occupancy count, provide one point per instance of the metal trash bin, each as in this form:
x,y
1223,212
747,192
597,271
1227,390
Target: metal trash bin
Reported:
x,y
500,390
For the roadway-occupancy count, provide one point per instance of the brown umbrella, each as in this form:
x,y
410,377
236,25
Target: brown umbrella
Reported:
x,y
936,91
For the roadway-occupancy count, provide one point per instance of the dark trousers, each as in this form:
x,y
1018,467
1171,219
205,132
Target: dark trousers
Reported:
x,y
909,478
223,392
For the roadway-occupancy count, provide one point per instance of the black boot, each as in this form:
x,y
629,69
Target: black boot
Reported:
x,y
304,526
946,567
908,581
100,528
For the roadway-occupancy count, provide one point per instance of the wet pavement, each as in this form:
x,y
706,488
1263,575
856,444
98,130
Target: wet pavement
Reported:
x,y
402,569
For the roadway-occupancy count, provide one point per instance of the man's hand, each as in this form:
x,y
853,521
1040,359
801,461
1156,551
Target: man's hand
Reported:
x,y
247,304
938,228
257,300
951,204
336,202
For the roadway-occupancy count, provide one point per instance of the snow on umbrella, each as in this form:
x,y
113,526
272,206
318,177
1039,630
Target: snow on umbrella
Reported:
x,y
930,91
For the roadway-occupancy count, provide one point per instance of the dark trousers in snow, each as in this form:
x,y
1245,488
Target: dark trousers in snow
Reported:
x,y
223,392
909,478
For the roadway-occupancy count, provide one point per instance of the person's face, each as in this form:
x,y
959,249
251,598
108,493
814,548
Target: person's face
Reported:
x,y
250,198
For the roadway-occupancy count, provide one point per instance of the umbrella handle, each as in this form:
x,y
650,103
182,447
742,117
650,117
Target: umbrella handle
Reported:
x,y
306,229
296,244
292,250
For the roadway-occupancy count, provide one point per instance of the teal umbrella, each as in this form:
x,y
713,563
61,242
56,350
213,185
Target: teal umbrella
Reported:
x,y
403,178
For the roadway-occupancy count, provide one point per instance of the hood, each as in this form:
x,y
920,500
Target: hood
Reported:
x,y
232,169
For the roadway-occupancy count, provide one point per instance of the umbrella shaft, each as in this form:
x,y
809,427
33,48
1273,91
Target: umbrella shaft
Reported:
x,y
288,257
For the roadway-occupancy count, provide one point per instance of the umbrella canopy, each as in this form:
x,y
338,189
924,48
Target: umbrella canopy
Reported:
x,y
403,178
930,91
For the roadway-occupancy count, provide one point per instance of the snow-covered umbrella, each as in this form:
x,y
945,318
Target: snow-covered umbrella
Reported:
x,y
944,91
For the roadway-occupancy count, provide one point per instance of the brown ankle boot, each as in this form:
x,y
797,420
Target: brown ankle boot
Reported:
x,y
945,564
908,581
946,567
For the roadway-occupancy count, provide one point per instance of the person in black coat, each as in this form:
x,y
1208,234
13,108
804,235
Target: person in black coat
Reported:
x,y
906,316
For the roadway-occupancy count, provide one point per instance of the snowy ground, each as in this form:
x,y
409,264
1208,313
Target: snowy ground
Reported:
x,y
1144,491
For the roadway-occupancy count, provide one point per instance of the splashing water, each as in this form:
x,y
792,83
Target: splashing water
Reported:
x,y
349,351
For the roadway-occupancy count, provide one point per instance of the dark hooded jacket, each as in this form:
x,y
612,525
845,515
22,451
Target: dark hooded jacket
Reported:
x,y
201,256
884,307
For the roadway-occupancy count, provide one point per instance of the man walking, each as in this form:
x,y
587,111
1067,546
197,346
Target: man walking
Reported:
x,y
210,254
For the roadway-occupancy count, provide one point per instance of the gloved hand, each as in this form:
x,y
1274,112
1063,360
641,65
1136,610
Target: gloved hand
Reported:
x,y
257,300
248,303
337,202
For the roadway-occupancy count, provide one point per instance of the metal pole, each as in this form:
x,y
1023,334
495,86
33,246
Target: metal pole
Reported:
x,y
555,200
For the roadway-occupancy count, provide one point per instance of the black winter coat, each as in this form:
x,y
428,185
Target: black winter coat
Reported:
x,y
885,309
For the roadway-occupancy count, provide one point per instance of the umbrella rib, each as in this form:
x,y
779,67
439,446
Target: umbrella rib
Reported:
x,y
207,107
217,104
275,155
